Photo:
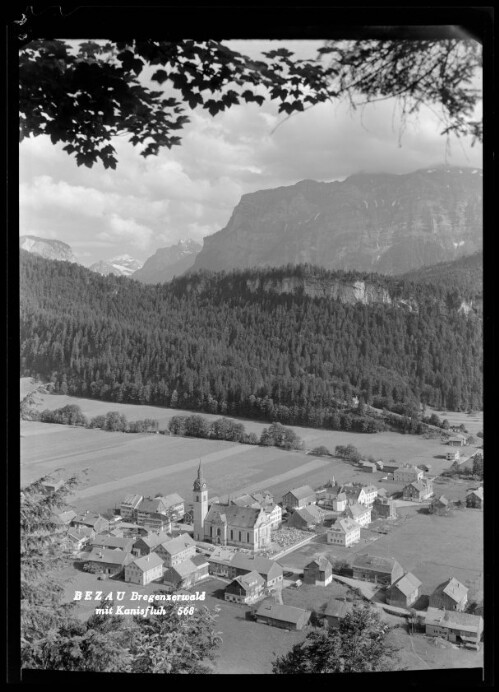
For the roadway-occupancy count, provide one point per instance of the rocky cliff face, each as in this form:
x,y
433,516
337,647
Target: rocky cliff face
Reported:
x,y
168,262
50,249
384,223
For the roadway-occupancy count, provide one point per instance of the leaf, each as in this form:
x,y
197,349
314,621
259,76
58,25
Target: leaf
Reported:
x,y
160,76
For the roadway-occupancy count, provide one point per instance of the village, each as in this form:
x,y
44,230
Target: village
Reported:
x,y
262,554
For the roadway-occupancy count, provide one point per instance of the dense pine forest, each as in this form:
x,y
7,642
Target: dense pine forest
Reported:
x,y
208,343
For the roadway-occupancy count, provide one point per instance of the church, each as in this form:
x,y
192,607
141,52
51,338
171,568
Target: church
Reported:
x,y
228,524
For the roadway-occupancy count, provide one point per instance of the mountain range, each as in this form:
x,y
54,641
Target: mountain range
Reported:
x,y
168,262
48,248
123,265
384,223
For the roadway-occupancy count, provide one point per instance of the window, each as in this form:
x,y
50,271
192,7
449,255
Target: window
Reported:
x,y
231,534
211,530
239,536
247,538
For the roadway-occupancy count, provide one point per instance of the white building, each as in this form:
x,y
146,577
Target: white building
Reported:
x,y
344,532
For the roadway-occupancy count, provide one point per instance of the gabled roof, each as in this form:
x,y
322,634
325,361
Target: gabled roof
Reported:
x,y
250,580
374,562
172,499
263,565
345,525
357,510
154,505
186,567
147,562
320,562
88,518
176,545
245,501
478,492
284,613
64,517
106,555
420,485
76,533
233,515
108,541
154,539
302,492
453,589
336,608
442,500
308,514
454,619
407,584
132,500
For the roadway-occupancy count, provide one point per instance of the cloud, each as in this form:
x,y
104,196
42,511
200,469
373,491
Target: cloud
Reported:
x,y
120,230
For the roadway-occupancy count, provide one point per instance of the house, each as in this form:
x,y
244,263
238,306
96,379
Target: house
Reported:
x,y
92,520
187,573
380,570
369,466
143,570
336,611
385,508
112,542
154,513
344,532
358,493
408,473
146,544
175,550
390,467
77,538
453,455
299,497
175,505
219,561
262,500
319,572
247,588
52,486
380,465
461,628
126,529
228,524
269,570
128,507
450,595
283,616
404,592
335,497
359,513
440,505
456,441
64,518
107,561
418,491
306,517
475,498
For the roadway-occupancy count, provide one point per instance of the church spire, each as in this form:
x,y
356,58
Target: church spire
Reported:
x,y
200,483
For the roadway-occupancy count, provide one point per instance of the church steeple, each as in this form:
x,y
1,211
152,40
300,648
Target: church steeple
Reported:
x,y
199,482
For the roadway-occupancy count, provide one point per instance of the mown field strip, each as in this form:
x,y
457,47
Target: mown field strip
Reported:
x,y
162,472
286,476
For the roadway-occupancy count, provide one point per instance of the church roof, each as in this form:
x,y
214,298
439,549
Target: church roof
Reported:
x,y
233,515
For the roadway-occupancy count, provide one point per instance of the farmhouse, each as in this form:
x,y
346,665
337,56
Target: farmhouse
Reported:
x,y
440,505
265,501
219,561
453,455
247,588
187,573
108,561
456,441
319,572
380,570
77,537
144,570
359,513
385,508
450,595
175,550
283,616
128,507
228,524
418,491
404,592
357,493
146,544
269,570
475,498
408,473
461,628
344,532
332,493
369,466
52,486
64,518
336,611
92,520
299,497
306,517
108,541
154,513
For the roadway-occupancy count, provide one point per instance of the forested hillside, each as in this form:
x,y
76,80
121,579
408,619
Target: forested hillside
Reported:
x,y
464,275
211,343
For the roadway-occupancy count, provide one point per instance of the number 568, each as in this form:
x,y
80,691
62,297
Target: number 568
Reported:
x,y
185,610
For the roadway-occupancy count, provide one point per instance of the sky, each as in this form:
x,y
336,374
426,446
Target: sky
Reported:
x,y
190,191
